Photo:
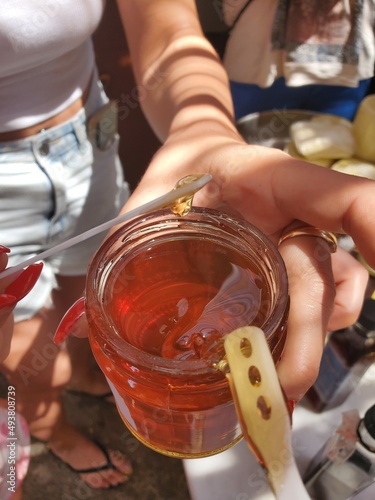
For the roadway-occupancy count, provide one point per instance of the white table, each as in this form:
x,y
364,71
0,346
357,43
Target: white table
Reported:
x,y
235,475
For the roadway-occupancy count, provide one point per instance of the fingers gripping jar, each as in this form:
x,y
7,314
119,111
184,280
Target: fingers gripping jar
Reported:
x,y
161,294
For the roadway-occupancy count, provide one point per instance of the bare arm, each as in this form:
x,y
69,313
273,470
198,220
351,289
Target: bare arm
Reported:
x,y
170,55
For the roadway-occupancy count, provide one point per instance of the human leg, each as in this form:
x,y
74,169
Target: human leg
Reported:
x,y
54,189
86,377
39,371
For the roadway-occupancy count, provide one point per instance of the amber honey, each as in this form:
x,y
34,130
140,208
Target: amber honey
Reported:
x,y
178,298
165,292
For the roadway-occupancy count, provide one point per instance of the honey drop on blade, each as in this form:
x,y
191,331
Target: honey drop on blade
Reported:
x,y
182,206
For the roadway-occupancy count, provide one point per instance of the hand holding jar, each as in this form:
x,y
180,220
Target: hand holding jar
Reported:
x,y
276,194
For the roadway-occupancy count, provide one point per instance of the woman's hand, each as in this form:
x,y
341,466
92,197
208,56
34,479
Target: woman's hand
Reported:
x,y
273,191
12,290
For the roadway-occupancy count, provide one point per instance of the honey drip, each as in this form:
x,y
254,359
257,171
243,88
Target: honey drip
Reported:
x,y
182,206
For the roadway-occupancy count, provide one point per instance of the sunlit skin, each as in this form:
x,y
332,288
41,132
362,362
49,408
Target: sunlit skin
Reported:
x,y
187,101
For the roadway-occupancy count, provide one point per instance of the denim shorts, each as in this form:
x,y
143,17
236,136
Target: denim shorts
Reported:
x,y
53,186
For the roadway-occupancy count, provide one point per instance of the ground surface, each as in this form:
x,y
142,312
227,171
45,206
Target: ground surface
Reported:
x,y
155,476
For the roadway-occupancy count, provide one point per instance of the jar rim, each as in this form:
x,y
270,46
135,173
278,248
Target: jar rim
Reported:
x,y
127,235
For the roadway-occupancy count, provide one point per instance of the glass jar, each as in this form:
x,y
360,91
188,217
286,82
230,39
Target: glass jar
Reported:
x,y
161,293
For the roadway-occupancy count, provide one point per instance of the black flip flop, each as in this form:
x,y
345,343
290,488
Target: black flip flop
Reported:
x,y
107,466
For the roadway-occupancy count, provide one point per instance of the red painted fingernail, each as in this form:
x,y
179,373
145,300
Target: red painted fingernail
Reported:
x,y
4,249
70,319
22,285
292,404
7,301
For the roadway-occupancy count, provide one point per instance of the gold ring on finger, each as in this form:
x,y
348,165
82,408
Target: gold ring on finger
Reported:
x,y
327,236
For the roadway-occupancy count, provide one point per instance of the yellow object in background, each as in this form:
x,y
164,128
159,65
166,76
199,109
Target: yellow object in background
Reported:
x,y
355,166
324,136
291,149
364,129
370,270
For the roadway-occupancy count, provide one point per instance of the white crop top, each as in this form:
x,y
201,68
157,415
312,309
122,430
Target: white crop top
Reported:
x,y
46,57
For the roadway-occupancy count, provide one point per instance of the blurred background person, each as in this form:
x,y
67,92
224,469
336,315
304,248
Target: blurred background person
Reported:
x,y
294,54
